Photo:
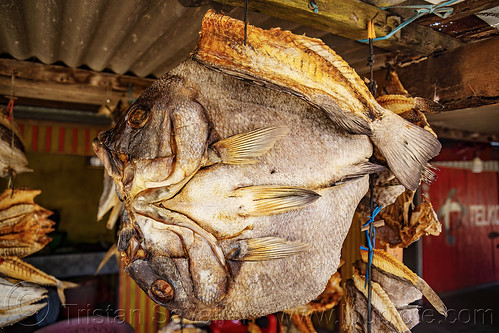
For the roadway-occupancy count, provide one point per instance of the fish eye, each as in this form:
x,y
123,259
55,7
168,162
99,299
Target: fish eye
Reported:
x,y
137,117
162,291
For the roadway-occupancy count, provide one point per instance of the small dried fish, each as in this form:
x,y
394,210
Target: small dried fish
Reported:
x,y
15,268
12,152
24,251
14,315
385,318
11,197
23,209
390,265
394,288
19,294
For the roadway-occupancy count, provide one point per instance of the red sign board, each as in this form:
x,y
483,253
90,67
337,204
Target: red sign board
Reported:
x,y
466,252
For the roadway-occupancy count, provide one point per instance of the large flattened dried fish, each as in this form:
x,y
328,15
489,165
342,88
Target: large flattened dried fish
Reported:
x,y
236,194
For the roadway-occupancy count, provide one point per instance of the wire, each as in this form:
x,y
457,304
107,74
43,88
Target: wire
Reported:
x,y
245,21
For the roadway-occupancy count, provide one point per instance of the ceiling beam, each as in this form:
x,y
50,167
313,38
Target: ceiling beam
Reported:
x,y
461,10
348,18
460,135
64,84
461,79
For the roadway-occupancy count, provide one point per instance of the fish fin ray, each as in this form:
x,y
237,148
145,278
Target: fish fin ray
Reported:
x,y
349,122
272,199
406,147
245,147
428,174
359,170
270,248
432,296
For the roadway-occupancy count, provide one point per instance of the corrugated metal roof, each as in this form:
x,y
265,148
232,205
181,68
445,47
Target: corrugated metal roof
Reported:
x,y
138,36
143,37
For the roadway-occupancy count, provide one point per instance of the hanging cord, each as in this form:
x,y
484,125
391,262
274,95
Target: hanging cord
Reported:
x,y
245,21
312,5
370,60
10,117
371,239
441,10
374,209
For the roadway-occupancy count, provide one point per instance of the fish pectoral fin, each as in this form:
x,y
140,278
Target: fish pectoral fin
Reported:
x,y
244,148
360,170
266,248
274,199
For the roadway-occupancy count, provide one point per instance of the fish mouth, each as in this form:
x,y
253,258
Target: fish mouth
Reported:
x,y
153,285
112,164
164,286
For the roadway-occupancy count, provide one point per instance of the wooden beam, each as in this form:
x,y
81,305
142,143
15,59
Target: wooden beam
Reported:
x,y
461,10
460,135
59,83
348,18
461,79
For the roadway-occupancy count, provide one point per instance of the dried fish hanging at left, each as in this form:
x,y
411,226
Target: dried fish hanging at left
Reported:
x,y
20,271
12,153
24,225
19,301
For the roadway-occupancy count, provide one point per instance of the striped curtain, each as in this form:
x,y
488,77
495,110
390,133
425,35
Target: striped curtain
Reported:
x,y
56,137
137,309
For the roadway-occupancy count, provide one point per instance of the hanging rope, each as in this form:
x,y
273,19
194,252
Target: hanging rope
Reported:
x,y
245,21
441,10
312,5
371,231
10,117
370,60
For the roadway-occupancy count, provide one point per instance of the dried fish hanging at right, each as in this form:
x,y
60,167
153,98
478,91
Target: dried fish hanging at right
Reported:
x,y
403,223
394,288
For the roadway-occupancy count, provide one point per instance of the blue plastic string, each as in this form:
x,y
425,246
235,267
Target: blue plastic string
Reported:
x,y
312,5
439,9
370,241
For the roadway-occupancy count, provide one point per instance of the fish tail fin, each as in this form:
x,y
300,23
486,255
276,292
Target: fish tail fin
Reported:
x,y
113,250
60,290
245,147
406,147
